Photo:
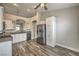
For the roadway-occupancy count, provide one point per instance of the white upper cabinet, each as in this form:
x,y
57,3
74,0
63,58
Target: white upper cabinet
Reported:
x,y
9,24
51,31
1,19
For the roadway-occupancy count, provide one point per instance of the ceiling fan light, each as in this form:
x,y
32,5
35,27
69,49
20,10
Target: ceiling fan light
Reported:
x,y
15,4
34,7
42,5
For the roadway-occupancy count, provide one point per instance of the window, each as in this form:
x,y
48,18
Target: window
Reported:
x,y
17,27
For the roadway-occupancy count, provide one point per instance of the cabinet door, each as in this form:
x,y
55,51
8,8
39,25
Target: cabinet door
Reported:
x,y
49,35
19,37
9,24
14,38
6,48
51,31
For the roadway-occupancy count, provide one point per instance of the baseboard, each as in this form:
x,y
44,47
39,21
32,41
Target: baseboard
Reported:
x,y
68,47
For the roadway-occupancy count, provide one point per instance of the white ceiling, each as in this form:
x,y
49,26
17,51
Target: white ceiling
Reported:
x,y
21,10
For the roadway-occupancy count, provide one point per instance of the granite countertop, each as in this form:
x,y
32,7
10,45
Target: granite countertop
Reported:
x,y
18,32
5,37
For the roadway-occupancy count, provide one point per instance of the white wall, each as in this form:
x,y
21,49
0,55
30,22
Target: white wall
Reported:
x,y
67,26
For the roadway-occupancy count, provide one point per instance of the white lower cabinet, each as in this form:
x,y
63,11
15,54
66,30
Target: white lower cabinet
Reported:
x,y
19,37
6,48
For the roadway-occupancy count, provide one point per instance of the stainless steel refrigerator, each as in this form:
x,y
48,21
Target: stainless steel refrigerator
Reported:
x,y
41,33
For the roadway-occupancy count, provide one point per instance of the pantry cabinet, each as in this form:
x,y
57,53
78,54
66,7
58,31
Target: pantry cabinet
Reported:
x,y
51,31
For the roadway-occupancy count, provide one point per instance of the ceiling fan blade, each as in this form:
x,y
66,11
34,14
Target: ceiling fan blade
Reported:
x,y
37,6
45,7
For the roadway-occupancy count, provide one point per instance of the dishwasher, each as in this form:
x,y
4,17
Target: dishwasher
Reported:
x,y
28,35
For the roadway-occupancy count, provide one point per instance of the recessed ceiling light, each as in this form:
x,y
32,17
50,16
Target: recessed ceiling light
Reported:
x,y
15,4
28,10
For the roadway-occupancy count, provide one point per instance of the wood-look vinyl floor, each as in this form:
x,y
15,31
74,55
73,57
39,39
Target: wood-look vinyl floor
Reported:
x,y
31,48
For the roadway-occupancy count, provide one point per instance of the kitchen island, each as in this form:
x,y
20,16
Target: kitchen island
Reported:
x,y
19,36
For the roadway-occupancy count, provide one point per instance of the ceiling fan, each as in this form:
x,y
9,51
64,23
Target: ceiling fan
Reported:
x,y
42,5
